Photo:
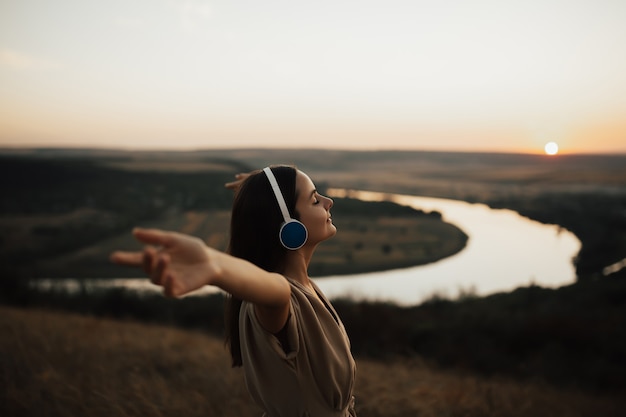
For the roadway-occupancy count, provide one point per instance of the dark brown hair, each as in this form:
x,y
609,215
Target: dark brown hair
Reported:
x,y
254,226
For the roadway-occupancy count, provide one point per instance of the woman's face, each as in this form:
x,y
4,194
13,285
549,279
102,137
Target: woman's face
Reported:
x,y
314,210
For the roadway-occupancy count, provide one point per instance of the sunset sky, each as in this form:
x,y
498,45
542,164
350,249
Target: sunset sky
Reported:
x,y
448,75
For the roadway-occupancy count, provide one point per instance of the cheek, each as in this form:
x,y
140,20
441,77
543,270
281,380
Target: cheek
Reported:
x,y
314,218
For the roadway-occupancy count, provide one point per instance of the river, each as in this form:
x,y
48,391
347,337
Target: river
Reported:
x,y
504,251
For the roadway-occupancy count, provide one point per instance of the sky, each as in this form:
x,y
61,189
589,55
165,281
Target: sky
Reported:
x,y
485,75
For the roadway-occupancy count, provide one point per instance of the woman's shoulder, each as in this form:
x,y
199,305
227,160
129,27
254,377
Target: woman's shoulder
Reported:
x,y
301,292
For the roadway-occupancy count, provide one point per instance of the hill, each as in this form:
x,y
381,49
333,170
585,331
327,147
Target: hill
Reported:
x,y
59,364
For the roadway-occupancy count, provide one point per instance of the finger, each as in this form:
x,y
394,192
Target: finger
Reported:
x,y
162,263
235,184
149,261
170,286
232,185
153,236
167,286
127,258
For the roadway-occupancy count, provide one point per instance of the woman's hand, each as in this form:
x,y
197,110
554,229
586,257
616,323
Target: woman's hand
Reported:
x,y
241,177
181,263
178,262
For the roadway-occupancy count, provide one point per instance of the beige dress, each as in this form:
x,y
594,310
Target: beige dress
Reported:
x,y
316,377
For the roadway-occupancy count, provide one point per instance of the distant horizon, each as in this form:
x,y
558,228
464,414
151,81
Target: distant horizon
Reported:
x,y
294,148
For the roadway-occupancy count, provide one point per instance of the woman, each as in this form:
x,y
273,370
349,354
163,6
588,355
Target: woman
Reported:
x,y
280,327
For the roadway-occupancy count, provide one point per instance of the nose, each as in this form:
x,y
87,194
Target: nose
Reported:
x,y
329,202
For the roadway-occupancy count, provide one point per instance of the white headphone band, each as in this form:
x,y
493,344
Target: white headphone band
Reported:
x,y
277,193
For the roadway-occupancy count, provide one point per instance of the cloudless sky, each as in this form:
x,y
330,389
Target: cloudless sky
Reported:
x,y
491,75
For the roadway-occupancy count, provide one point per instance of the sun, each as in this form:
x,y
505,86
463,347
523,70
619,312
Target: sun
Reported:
x,y
551,148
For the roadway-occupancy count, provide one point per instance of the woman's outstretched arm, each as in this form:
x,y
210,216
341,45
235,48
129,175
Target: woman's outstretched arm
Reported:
x,y
182,263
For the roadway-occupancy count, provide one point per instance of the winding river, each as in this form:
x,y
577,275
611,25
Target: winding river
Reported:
x,y
504,251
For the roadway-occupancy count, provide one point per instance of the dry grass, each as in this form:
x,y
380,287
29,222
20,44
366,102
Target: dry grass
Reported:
x,y
65,365
413,389
56,364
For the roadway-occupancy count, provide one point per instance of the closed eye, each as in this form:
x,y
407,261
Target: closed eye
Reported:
x,y
314,195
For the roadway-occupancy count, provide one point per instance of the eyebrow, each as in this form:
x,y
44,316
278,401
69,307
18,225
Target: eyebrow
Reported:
x,y
312,193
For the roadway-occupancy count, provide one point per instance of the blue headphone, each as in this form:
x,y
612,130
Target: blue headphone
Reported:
x,y
293,234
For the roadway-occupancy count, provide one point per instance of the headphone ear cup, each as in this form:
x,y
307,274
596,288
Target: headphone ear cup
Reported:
x,y
293,234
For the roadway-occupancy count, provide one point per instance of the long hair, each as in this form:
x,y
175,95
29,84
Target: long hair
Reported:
x,y
254,227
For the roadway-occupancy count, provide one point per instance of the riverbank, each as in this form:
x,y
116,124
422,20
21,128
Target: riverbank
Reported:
x,y
67,364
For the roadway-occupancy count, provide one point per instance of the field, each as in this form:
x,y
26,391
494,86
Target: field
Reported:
x,y
59,364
